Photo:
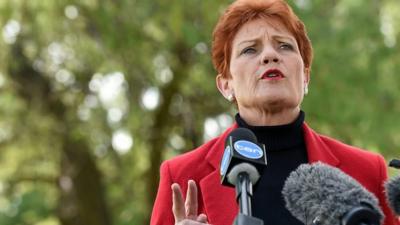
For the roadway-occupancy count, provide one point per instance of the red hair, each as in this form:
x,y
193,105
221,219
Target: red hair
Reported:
x,y
243,11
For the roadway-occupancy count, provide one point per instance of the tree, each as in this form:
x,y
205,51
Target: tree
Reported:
x,y
95,94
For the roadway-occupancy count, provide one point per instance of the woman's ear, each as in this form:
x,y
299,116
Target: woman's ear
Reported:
x,y
306,80
223,85
306,76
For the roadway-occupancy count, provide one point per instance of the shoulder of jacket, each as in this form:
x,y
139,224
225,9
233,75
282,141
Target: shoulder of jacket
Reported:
x,y
191,161
355,157
337,145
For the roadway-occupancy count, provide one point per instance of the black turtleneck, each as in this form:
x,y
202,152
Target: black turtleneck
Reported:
x,y
285,150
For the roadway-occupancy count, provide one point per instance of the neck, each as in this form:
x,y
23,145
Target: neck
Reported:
x,y
277,137
274,117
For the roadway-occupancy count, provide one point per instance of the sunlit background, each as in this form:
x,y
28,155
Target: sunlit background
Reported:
x,y
94,95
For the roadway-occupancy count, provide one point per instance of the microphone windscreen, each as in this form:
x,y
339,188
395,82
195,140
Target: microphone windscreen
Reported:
x,y
242,134
240,168
392,188
322,192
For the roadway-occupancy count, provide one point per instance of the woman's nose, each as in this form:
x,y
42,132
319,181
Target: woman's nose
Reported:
x,y
269,56
268,60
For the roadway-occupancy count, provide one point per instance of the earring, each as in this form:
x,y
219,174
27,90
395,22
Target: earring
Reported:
x,y
305,89
231,97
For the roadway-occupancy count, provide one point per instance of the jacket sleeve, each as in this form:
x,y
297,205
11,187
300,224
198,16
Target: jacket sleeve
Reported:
x,y
390,218
162,209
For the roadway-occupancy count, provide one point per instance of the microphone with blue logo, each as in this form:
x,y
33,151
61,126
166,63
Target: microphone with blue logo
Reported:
x,y
243,161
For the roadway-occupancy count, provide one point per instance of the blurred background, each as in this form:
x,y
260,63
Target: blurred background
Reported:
x,y
95,94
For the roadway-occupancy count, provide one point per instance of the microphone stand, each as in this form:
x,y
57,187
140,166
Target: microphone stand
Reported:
x,y
244,192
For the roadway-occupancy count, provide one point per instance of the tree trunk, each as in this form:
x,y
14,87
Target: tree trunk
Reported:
x,y
81,200
161,128
81,192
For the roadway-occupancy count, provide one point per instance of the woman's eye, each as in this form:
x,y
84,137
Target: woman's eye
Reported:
x,y
285,46
248,50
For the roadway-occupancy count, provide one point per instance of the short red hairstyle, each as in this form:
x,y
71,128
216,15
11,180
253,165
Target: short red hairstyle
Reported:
x,y
243,11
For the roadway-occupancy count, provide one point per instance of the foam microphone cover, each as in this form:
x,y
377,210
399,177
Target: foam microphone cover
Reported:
x,y
242,134
392,188
247,168
324,193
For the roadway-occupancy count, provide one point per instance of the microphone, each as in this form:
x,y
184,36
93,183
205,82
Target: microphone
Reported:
x,y
319,194
392,189
241,165
395,163
241,147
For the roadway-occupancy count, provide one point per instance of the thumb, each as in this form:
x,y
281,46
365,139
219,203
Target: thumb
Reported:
x,y
202,218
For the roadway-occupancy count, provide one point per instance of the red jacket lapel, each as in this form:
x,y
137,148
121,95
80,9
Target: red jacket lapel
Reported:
x,y
316,148
219,201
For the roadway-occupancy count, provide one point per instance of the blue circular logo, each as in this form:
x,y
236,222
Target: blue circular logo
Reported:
x,y
225,160
248,149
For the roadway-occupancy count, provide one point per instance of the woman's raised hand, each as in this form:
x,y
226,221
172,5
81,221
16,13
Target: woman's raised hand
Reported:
x,y
185,212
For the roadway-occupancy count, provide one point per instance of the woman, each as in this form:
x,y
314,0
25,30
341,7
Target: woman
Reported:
x,y
263,56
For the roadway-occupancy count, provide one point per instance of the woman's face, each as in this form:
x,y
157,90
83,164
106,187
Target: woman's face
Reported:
x,y
266,68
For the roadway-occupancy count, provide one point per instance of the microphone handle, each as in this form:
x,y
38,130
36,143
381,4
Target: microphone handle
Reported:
x,y
244,191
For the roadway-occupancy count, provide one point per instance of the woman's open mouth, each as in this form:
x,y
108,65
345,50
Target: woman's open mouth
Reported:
x,y
272,74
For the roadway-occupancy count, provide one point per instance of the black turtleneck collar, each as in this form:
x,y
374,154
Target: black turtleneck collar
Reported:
x,y
279,137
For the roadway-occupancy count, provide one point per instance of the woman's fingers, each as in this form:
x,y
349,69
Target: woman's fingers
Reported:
x,y
190,222
191,200
185,212
178,207
202,218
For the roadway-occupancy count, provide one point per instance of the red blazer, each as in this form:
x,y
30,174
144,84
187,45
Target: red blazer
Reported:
x,y
218,202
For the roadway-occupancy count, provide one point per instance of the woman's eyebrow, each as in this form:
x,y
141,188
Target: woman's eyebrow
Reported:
x,y
276,36
283,37
247,41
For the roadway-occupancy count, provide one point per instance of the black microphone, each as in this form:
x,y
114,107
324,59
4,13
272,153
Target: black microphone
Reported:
x,y
323,195
242,163
392,188
395,163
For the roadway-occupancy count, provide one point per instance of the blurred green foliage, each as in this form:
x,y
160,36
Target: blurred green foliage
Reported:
x,y
94,94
